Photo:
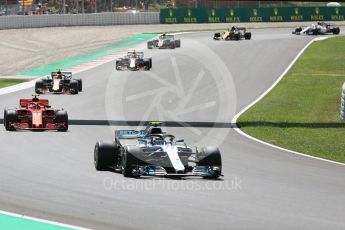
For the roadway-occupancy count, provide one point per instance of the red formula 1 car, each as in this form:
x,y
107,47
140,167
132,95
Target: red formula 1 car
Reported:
x,y
35,114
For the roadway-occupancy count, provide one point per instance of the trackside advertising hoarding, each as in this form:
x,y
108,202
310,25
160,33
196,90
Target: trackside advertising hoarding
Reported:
x,y
233,15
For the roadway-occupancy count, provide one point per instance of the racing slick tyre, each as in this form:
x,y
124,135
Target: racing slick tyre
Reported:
x,y
216,36
297,30
148,63
149,45
74,87
61,116
39,86
172,45
210,156
129,160
10,116
80,85
178,43
106,155
336,30
248,35
118,65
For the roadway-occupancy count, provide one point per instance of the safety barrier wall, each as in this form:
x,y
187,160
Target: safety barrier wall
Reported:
x,y
100,19
232,15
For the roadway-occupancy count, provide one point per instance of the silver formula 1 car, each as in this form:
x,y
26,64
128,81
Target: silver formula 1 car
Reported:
x,y
134,61
151,152
319,28
164,42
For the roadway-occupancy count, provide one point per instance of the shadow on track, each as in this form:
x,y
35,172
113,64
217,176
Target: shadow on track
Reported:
x,y
207,124
143,123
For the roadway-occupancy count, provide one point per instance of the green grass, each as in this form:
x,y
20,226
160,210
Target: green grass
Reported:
x,y
302,112
4,82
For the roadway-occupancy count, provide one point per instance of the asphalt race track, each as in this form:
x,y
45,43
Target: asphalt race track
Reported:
x,y
50,175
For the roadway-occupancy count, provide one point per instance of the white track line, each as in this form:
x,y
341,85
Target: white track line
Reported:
x,y
43,221
238,130
18,87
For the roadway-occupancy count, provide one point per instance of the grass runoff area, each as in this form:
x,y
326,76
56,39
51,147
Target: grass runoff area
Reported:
x,y
4,82
302,113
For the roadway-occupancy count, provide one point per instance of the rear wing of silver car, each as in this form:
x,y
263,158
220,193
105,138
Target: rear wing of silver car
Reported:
x,y
129,134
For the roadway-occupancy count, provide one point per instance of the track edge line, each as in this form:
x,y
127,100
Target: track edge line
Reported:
x,y
42,220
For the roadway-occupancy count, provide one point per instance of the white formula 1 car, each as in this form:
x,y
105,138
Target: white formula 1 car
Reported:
x,y
164,42
318,28
134,61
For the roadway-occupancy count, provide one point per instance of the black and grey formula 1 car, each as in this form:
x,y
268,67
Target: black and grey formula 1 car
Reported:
x,y
151,152
59,82
235,33
164,42
134,61
320,28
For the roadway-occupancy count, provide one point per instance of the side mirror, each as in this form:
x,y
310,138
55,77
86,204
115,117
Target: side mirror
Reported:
x,y
179,140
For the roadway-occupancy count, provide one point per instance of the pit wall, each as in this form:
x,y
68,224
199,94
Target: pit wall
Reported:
x,y
235,15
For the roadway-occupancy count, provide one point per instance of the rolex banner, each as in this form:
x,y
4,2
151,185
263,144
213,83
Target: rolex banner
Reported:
x,y
233,15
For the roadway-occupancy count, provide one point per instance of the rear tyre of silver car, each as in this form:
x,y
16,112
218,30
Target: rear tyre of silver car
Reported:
x,y
105,155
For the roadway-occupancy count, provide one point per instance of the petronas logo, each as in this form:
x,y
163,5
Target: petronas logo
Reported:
x,y
213,12
255,12
171,13
189,13
336,10
296,11
275,11
232,12
317,10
